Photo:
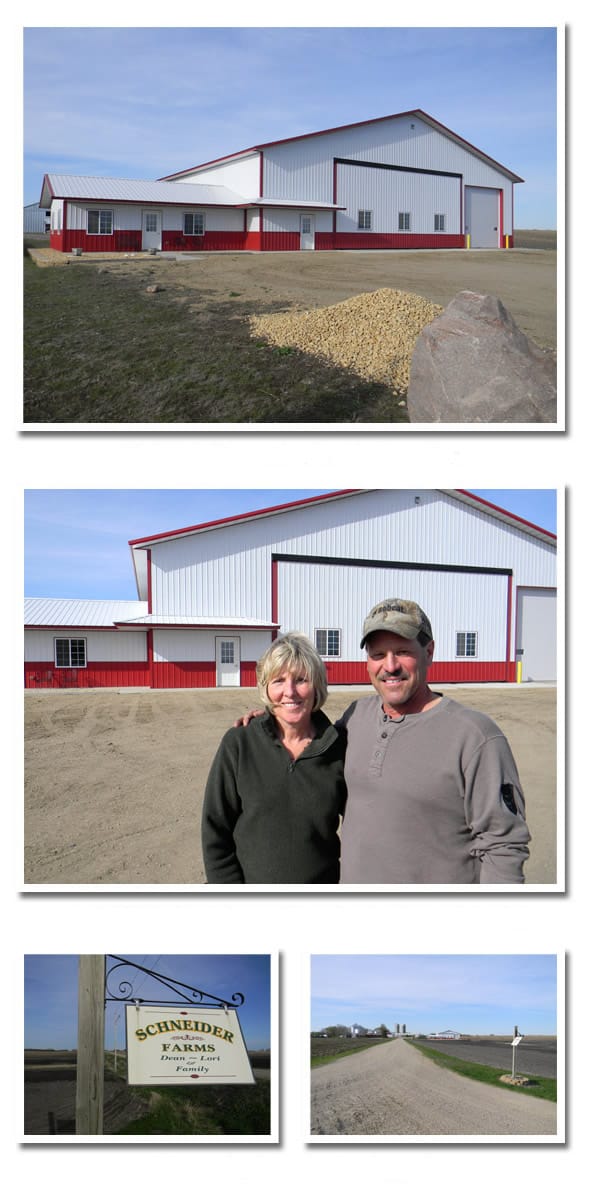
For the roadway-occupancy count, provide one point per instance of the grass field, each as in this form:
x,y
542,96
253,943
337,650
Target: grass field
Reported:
x,y
99,348
539,1087
326,1049
177,367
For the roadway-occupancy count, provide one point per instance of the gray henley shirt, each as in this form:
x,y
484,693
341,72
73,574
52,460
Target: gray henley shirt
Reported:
x,y
432,798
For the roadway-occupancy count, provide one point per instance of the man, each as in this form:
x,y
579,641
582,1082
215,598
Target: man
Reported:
x,y
433,794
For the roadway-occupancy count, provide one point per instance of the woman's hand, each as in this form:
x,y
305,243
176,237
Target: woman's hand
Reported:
x,y
244,722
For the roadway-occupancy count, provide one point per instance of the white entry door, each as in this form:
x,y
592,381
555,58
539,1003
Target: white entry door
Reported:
x,y
307,232
227,660
151,230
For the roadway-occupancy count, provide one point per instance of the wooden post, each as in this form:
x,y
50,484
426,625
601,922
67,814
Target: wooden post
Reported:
x,y
89,1095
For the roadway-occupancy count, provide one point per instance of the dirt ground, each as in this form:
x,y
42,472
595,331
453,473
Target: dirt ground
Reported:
x,y
114,779
394,1090
524,279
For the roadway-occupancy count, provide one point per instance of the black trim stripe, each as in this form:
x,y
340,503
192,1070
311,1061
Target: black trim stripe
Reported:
x,y
368,563
438,173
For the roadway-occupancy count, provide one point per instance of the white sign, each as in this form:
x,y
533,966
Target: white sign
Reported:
x,y
516,1041
167,1045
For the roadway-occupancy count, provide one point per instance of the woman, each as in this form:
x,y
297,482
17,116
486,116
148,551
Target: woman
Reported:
x,y
275,792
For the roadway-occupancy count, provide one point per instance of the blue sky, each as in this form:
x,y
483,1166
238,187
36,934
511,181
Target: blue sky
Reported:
x,y
145,102
51,993
76,542
475,994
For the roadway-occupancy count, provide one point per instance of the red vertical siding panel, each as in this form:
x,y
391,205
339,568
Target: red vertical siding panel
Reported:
x,y
98,674
274,597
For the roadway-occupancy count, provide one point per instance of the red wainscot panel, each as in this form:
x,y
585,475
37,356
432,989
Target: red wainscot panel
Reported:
x,y
120,241
346,240
195,675
98,674
211,241
354,672
280,241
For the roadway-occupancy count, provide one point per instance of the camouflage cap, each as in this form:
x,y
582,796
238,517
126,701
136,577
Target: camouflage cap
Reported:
x,y
401,616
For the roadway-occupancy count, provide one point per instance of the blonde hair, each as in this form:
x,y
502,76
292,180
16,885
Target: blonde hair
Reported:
x,y
292,653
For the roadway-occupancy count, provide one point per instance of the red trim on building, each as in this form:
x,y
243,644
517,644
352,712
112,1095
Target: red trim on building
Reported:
x,y
261,193
312,499
343,127
511,515
501,239
509,626
149,582
274,596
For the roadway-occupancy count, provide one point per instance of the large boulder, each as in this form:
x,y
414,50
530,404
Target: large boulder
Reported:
x,y
474,364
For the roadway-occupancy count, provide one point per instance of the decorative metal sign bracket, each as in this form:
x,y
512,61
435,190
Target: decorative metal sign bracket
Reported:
x,y
188,994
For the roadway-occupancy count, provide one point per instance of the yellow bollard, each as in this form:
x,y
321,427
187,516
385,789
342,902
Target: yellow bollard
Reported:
x,y
467,241
507,238
519,672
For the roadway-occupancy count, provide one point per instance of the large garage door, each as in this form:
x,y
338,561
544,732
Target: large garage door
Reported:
x,y
482,216
536,633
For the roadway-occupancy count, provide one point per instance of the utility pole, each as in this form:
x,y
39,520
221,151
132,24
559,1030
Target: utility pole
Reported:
x,y
89,1095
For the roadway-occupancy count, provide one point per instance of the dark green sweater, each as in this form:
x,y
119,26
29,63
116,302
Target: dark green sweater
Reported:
x,y
268,818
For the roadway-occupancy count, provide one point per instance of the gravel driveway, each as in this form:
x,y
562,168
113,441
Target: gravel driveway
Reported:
x,y
393,1090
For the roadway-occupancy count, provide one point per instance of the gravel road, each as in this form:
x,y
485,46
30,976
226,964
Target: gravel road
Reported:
x,y
393,1090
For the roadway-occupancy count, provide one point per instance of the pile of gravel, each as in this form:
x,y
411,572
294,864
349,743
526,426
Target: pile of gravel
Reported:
x,y
373,334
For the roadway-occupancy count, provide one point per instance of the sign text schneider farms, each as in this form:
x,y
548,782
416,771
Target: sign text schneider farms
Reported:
x,y
183,1045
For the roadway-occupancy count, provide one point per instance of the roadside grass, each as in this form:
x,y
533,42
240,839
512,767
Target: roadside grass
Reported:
x,y
323,1052
540,1087
198,1110
99,348
206,1110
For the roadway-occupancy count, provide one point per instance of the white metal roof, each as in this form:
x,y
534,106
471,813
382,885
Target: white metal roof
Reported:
x,y
102,189
88,613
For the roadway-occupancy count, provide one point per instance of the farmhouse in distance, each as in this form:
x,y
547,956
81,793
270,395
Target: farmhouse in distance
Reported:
x,y
398,181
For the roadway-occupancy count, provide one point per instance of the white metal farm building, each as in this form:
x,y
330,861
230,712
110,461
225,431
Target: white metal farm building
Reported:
x,y
400,181
36,219
213,596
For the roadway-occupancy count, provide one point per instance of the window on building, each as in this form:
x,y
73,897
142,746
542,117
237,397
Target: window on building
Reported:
x,y
227,652
364,220
466,644
404,220
150,219
70,654
328,641
100,222
439,222
194,223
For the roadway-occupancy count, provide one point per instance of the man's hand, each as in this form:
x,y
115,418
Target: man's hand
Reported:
x,y
244,722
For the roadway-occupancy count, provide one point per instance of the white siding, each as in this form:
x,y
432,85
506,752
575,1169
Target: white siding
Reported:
x,y
216,218
241,175
200,646
303,168
227,571
283,219
129,218
386,192
314,596
101,646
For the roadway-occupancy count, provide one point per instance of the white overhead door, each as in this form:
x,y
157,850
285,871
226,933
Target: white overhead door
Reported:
x,y
482,216
536,633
